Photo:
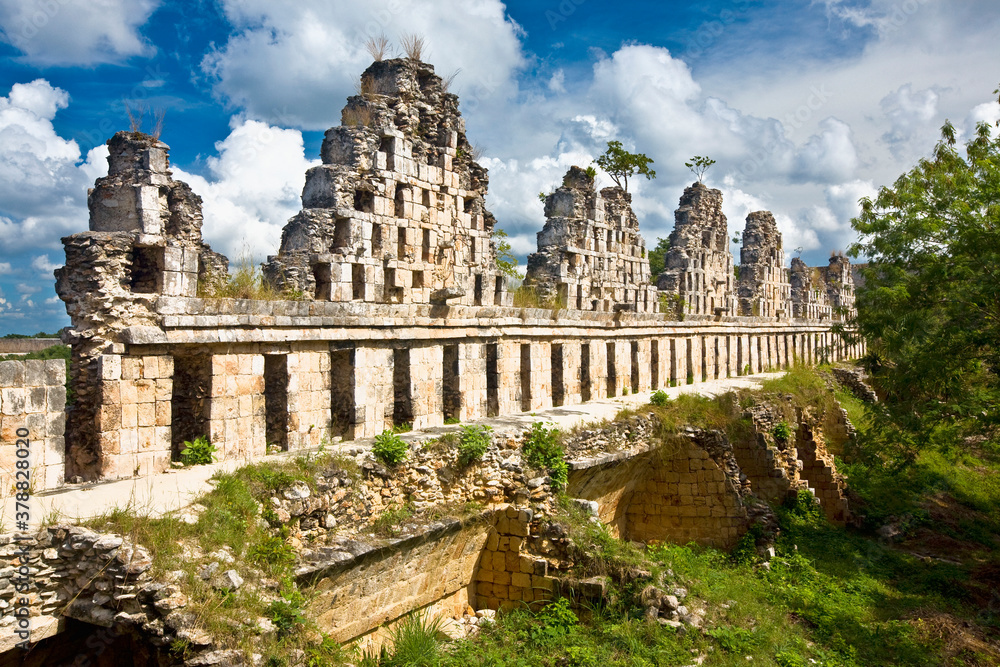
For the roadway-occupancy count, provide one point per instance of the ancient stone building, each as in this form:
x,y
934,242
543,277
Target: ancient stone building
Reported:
x,y
839,280
809,295
590,253
144,243
763,287
699,266
396,212
393,311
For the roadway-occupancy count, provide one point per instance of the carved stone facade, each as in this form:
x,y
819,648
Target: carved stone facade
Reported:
x,y
396,212
699,266
590,254
763,288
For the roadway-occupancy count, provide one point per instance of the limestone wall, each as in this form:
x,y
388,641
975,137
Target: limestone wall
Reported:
x,y
32,411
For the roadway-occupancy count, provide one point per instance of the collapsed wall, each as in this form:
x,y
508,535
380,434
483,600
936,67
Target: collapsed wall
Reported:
x,y
590,253
396,213
698,273
763,288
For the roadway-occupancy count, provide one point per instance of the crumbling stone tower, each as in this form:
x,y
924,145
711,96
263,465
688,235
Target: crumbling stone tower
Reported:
x,y
763,288
840,287
699,266
144,243
396,213
809,294
590,254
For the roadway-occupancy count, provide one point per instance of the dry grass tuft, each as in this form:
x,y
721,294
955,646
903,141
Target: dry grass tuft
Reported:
x,y
413,45
378,47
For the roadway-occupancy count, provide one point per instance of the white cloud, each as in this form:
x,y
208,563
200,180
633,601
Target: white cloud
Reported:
x,y
254,185
71,32
43,185
909,112
4,268
42,264
828,156
295,63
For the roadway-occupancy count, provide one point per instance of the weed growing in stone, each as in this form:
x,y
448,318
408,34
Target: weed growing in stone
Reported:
x,y
389,448
781,431
198,452
659,398
388,522
542,449
473,443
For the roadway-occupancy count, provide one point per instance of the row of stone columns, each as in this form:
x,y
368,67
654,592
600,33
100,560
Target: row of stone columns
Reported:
x,y
248,399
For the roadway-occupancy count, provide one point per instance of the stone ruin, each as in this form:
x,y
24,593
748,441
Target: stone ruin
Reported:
x,y
391,309
763,288
144,243
396,213
590,254
698,273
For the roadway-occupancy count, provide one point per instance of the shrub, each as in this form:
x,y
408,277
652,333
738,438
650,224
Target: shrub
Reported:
x,y
542,450
288,612
199,452
659,398
556,619
415,642
781,431
473,443
389,448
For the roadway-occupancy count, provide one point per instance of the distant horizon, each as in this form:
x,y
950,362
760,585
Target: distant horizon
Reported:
x,y
805,110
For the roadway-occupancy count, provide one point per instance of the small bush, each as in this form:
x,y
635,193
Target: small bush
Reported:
x,y
781,431
556,619
542,450
659,398
473,443
388,522
389,448
288,612
271,550
415,642
199,452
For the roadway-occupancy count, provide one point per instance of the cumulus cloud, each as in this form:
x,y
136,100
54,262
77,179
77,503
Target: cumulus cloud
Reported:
x,y
909,114
294,63
254,184
829,155
42,264
5,268
43,184
66,32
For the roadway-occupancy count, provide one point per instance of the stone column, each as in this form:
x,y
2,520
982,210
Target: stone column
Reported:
x,y
309,398
472,379
373,391
645,366
426,375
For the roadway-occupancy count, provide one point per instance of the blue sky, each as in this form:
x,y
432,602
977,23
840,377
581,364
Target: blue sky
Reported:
x,y
806,106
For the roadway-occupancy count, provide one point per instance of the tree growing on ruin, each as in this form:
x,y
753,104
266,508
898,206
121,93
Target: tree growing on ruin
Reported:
x,y
699,164
506,261
930,303
619,164
657,257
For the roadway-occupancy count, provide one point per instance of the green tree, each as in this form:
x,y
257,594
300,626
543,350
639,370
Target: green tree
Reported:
x,y
506,261
930,305
699,165
657,257
619,164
